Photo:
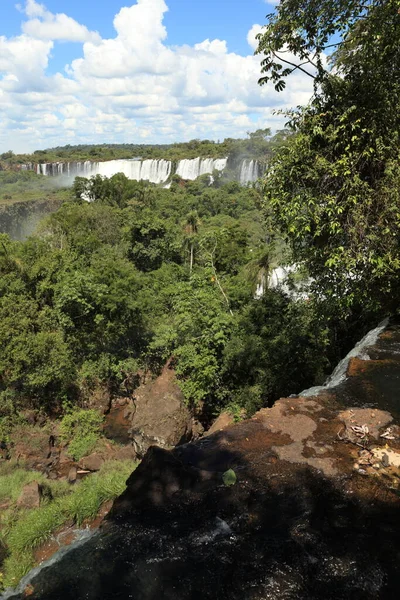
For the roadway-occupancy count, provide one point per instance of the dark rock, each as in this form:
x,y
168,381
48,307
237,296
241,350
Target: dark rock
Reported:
x,y
297,523
30,496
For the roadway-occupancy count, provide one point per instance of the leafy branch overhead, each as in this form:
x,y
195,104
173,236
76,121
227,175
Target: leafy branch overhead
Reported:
x,y
301,35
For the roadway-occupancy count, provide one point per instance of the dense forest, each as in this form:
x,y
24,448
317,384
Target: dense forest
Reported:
x,y
140,275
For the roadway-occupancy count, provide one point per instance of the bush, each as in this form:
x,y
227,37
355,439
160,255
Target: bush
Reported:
x,y
80,429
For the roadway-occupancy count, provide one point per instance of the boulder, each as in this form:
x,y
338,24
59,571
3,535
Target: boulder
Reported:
x,y
160,417
72,474
224,420
30,496
93,462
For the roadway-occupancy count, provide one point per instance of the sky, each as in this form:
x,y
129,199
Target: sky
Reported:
x,y
143,71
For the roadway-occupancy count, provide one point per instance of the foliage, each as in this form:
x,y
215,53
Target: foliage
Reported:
x,y
276,349
300,33
22,186
229,477
335,189
123,283
80,429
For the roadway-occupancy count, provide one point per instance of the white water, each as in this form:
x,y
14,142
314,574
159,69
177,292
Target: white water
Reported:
x,y
359,351
249,172
278,279
194,167
81,537
156,171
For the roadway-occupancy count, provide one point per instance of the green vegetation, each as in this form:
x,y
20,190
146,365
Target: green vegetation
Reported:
x,y
80,429
255,146
334,190
140,275
23,530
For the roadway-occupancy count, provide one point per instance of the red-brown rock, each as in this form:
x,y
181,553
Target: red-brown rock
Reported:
x,y
30,496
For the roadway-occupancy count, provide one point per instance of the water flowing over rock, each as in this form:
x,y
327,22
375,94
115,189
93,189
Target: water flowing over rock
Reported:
x,y
193,168
312,513
249,172
154,170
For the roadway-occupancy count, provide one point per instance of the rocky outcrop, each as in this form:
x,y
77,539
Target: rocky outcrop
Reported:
x,y
313,512
159,416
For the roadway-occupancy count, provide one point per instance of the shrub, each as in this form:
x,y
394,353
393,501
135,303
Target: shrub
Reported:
x,y
80,429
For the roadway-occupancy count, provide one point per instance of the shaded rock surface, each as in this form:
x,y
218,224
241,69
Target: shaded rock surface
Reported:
x,y
313,515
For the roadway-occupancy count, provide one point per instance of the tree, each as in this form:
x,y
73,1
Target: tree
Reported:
x,y
300,33
192,230
335,188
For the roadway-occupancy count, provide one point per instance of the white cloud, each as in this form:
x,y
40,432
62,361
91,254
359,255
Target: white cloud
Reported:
x,y
43,25
132,87
251,36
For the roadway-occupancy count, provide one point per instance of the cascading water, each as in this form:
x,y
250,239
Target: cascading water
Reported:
x,y
193,168
156,171
249,172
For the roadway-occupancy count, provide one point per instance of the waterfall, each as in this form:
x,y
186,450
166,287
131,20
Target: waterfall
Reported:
x,y
154,170
194,167
249,172
359,351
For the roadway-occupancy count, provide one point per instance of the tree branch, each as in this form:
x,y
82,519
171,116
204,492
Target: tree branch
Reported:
x,y
293,65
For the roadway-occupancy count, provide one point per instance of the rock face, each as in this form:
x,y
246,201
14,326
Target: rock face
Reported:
x,y
313,514
159,416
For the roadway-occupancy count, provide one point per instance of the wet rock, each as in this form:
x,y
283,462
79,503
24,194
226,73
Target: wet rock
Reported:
x,y
160,417
30,496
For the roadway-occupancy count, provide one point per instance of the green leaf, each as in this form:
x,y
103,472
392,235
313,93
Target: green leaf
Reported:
x,y
229,477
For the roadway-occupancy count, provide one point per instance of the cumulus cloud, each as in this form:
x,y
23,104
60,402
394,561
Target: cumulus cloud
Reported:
x,y
43,25
251,36
131,87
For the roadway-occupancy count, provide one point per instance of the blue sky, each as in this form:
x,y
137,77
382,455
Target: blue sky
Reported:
x,y
136,71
